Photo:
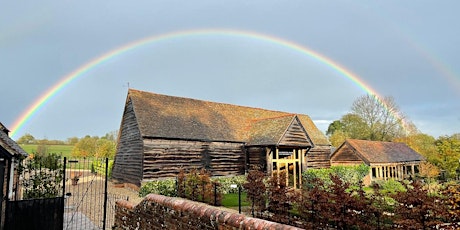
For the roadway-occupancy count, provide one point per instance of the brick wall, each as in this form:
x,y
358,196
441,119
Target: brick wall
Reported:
x,y
161,212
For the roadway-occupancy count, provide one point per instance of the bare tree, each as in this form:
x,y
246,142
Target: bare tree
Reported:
x,y
372,118
382,116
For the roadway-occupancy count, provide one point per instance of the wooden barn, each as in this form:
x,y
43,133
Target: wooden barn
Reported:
x,y
160,134
388,160
10,156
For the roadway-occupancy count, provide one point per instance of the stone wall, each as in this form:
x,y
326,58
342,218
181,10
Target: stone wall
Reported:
x,y
161,212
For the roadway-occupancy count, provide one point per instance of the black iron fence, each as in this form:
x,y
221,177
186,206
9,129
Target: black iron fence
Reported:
x,y
54,192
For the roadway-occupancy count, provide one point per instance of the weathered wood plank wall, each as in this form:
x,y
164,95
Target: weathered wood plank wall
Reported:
x,y
164,158
346,155
128,163
294,136
318,157
256,158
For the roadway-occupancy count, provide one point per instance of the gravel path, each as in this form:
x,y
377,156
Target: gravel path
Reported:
x,y
86,201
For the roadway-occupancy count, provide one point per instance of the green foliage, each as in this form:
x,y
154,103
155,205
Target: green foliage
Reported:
x,y
391,187
348,174
231,200
94,147
372,118
448,155
166,187
43,175
226,182
98,167
26,139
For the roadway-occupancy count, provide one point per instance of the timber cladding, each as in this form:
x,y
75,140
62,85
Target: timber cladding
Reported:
x,y
128,160
164,158
160,134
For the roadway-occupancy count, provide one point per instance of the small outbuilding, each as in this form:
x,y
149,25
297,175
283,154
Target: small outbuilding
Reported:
x,y
387,160
10,156
161,134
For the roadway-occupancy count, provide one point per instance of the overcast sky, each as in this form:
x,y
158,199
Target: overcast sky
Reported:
x,y
409,50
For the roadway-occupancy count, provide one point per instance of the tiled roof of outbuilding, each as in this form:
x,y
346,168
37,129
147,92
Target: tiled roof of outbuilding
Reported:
x,y
384,152
10,145
184,118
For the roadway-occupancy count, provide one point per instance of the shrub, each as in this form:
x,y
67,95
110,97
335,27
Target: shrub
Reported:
x,y
43,176
255,188
226,182
166,187
416,209
280,197
391,187
352,175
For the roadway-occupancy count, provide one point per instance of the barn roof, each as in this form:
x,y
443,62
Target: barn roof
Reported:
x,y
381,152
185,118
12,148
268,131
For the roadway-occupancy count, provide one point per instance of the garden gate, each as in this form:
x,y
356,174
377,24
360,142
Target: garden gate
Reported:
x,y
81,200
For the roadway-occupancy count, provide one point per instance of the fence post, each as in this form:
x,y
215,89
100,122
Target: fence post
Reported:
x,y
239,199
63,192
215,194
105,192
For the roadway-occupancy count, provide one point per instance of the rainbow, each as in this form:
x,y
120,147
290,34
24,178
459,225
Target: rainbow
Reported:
x,y
26,116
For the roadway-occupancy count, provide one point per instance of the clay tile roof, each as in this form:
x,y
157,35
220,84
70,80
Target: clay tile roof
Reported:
x,y
269,131
384,152
9,145
185,118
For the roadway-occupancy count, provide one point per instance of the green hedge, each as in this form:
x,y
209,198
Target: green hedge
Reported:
x,y
349,174
167,187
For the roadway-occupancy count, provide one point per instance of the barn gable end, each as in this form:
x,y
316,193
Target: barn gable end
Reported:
x,y
295,135
129,158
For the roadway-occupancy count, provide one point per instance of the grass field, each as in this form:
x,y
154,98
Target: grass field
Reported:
x,y
64,150
231,200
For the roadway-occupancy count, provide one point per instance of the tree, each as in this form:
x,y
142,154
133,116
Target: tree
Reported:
x,y
428,171
421,143
382,116
72,140
105,148
448,155
85,147
371,118
26,139
94,147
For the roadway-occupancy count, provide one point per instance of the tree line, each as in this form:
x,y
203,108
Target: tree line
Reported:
x,y
380,119
87,146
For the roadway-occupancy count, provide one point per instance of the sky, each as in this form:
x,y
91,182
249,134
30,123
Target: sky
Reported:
x,y
408,50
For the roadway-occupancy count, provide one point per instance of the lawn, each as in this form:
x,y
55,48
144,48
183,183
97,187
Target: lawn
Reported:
x,y
64,150
231,200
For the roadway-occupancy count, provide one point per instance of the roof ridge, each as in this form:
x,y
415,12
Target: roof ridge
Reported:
x,y
275,117
215,102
